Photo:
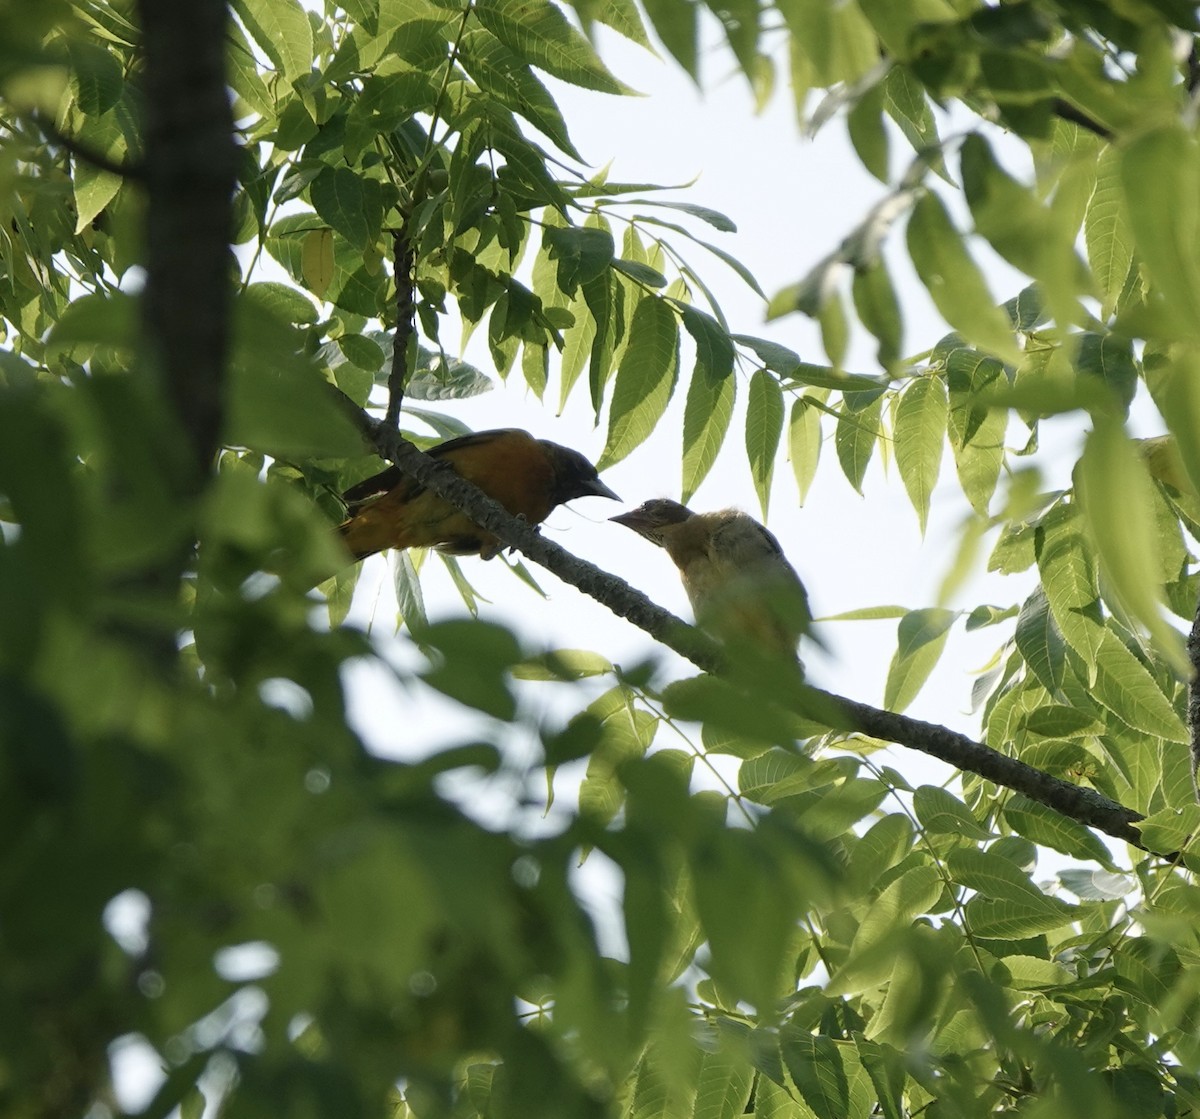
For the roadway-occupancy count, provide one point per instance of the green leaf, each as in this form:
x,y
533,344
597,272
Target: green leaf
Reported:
x,y
645,379
764,425
621,15
1005,211
1098,885
706,417
362,352
879,309
976,432
815,1065
705,213
942,813
439,376
1164,164
96,77
278,402
282,31
1111,475
994,876
954,280
1171,829
919,431
868,134
473,663
351,204
746,887
1124,685
804,443
94,189
921,637
582,255
90,320
1110,360
886,1068
902,900
723,1087
563,664
538,32
1175,387
502,73
1048,828
676,24
291,305
640,272
837,39
826,377
1055,720
410,601
625,733
714,347
855,436
868,614
1107,232
1040,642
317,261
773,355
1011,920
710,699
1068,573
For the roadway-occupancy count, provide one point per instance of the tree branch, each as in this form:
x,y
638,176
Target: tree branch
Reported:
x,y
191,172
406,310
88,154
1074,801
1064,110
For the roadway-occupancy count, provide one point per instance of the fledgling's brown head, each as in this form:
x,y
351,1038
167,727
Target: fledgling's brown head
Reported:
x,y
652,518
574,476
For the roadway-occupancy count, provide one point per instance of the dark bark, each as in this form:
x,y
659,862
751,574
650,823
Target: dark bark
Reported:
x,y
190,173
406,327
1193,648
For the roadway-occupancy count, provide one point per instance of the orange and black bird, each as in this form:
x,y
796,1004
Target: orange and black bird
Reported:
x,y
528,476
738,580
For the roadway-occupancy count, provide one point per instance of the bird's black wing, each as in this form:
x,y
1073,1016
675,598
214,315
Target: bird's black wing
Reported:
x,y
369,489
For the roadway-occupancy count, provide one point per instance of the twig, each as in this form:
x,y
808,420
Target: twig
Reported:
x,y
1066,111
1193,649
1074,801
406,310
88,154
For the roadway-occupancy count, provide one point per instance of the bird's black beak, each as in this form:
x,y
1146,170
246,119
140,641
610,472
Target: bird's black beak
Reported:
x,y
596,488
637,520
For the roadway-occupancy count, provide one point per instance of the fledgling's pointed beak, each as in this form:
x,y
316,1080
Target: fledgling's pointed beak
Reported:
x,y
640,522
596,488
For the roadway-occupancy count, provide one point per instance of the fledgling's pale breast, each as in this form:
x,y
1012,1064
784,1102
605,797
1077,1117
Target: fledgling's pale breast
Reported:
x,y
738,579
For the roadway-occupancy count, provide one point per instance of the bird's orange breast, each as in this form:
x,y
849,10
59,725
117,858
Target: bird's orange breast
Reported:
x,y
510,467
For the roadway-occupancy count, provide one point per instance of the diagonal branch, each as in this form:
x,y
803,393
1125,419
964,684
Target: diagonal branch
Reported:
x,y
88,154
1075,801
